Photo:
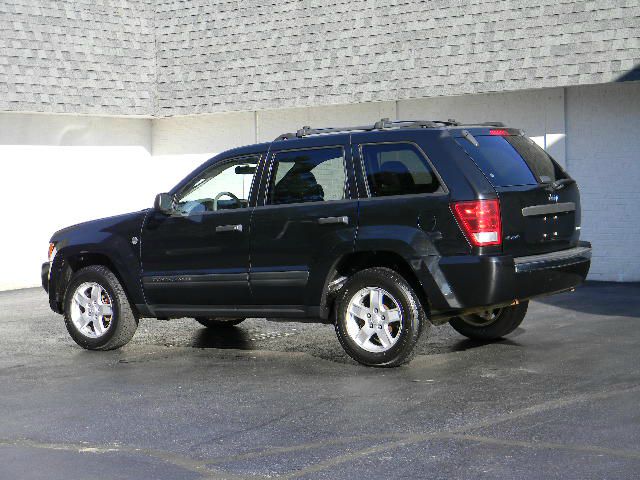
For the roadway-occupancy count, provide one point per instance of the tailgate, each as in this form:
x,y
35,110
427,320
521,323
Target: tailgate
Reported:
x,y
539,202
536,219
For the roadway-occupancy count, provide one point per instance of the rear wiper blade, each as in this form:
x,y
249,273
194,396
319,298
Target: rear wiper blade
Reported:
x,y
563,182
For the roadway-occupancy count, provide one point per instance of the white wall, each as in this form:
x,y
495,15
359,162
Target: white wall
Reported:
x,y
540,113
603,155
272,123
57,170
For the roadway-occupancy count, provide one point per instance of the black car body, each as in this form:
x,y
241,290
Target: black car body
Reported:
x,y
407,196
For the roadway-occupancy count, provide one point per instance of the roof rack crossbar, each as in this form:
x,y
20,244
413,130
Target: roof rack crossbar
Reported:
x,y
381,124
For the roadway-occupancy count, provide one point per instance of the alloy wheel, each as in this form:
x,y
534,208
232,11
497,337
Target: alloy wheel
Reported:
x,y
91,310
374,319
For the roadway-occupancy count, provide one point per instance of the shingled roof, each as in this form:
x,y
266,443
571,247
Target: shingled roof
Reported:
x,y
80,56
203,56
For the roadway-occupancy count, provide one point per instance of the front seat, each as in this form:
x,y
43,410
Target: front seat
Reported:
x,y
298,185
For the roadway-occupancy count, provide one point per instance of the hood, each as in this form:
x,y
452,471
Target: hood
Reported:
x,y
122,224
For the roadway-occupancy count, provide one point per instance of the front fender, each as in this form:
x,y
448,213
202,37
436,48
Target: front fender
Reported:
x,y
107,241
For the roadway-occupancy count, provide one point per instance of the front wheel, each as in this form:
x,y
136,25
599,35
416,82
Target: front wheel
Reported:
x,y
492,324
379,318
97,312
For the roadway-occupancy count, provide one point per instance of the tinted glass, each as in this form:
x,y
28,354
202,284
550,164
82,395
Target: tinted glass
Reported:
x,y
539,161
397,169
513,160
221,187
499,161
315,175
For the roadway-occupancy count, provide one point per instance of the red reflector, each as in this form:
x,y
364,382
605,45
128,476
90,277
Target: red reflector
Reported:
x,y
480,221
500,132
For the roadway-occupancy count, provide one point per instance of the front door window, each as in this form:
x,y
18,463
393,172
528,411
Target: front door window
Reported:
x,y
223,186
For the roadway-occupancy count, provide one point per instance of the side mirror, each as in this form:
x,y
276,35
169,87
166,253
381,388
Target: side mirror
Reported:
x,y
164,203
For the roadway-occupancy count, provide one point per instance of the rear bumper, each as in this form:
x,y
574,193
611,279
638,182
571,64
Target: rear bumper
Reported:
x,y
477,281
44,274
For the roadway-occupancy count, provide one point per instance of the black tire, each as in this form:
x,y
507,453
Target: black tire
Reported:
x,y
123,323
413,319
507,319
219,322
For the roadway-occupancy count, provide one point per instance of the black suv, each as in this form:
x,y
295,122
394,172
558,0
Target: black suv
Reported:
x,y
380,229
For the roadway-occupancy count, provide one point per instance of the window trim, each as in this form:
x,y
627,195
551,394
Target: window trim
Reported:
x,y
271,162
258,157
444,191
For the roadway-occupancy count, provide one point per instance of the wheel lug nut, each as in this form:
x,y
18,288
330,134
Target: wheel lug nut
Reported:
x,y
375,310
368,315
382,317
371,325
380,327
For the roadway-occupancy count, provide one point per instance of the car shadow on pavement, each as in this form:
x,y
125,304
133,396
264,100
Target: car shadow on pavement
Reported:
x,y
223,338
468,344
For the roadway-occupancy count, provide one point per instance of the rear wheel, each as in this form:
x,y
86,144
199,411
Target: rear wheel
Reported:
x,y
97,312
379,318
492,324
218,322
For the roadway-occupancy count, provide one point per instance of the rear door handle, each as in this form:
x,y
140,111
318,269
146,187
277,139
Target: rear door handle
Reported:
x,y
327,220
229,228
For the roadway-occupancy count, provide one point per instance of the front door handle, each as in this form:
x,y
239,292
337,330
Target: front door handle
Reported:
x,y
229,228
328,220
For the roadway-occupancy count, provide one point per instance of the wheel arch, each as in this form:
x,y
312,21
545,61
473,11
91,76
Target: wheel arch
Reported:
x,y
67,263
353,262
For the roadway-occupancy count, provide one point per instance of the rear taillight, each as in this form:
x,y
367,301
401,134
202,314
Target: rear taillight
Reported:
x,y
480,221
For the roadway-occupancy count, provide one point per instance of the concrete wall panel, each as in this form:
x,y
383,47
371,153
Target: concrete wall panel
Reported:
x,y
603,154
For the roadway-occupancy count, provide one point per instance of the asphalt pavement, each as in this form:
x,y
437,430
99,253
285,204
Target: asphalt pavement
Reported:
x,y
559,398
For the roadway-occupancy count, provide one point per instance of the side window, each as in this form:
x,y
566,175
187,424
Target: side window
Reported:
x,y
222,186
313,175
397,169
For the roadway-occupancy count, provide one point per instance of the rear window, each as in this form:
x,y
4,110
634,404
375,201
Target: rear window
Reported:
x,y
512,160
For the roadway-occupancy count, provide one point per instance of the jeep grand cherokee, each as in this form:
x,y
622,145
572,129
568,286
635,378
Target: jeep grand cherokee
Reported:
x,y
380,230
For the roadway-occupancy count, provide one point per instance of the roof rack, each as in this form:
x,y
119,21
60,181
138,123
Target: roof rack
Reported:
x,y
491,124
382,124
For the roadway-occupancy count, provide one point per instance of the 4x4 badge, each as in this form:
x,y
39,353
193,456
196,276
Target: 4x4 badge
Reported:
x,y
553,197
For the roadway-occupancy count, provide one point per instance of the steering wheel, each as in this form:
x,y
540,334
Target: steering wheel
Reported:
x,y
222,194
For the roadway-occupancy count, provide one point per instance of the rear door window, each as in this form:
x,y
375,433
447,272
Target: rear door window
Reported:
x,y
397,169
313,175
512,160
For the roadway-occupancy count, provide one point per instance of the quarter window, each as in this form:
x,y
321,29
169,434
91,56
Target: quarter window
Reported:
x,y
314,175
397,169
